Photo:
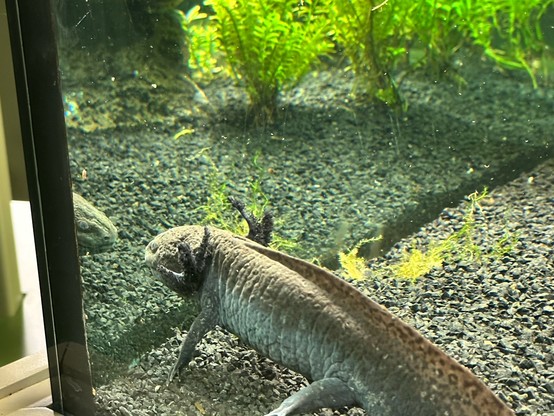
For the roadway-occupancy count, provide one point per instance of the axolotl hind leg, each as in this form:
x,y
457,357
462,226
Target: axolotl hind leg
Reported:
x,y
327,392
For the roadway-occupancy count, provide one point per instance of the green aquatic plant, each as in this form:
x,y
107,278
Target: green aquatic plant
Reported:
x,y
217,209
372,34
268,44
436,32
505,244
219,212
508,31
201,40
167,37
378,36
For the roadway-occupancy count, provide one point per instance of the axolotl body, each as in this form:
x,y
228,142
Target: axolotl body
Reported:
x,y
355,352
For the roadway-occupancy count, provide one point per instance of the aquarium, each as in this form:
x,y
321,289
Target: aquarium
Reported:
x,y
282,207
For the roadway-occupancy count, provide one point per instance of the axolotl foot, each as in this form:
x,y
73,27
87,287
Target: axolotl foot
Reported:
x,y
327,392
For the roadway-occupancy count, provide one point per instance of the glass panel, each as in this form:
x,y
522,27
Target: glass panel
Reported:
x,y
403,146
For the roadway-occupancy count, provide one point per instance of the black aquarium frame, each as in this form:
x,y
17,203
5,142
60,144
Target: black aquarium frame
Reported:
x,y
34,50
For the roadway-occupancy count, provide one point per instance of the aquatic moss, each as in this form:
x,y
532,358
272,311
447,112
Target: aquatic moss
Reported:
x,y
417,263
461,244
218,211
353,265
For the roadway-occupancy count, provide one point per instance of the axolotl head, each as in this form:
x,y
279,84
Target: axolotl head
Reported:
x,y
164,259
95,232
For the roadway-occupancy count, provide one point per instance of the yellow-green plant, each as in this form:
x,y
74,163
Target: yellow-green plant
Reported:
x,y
353,265
460,244
417,263
463,240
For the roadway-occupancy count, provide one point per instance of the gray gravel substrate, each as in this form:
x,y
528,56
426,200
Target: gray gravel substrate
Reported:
x,y
494,316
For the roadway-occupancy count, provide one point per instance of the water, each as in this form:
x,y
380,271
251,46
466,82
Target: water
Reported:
x,y
155,145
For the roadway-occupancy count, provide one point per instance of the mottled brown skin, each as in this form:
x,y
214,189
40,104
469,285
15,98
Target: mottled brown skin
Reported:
x,y
354,350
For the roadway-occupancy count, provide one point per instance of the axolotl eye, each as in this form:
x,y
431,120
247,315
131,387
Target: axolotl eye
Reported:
x,y
152,246
83,225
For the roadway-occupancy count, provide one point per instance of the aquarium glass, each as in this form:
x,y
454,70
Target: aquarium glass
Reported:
x,y
403,146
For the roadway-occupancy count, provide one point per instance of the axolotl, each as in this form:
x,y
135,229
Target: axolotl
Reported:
x,y
354,351
95,232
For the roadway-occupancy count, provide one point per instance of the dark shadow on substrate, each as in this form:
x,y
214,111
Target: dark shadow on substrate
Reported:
x,y
113,359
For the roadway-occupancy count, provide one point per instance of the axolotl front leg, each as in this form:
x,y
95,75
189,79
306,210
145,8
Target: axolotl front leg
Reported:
x,y
193,264
203,323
